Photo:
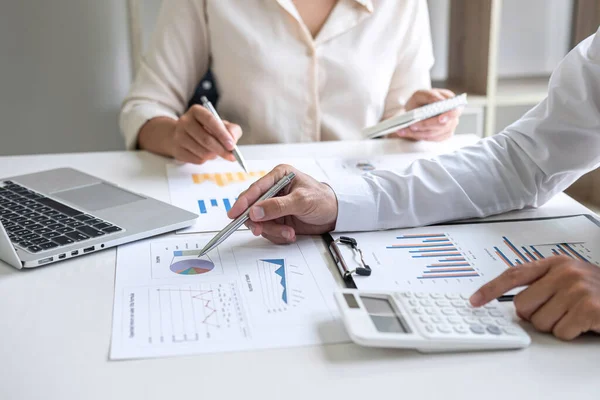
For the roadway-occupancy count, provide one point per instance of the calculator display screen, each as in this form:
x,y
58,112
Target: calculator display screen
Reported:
x,y
383,315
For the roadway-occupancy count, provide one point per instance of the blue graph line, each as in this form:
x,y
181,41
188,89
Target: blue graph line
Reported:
x,y
281,272
202,206
213,202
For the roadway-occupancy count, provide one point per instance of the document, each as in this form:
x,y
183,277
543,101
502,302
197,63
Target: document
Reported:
x,y
340,168
462,257
210,190
247,294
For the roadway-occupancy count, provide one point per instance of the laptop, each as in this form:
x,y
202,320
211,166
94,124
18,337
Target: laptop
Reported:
x,y
63,213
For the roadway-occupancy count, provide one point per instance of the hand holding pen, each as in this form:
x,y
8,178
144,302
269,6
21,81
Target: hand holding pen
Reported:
x,y
200,136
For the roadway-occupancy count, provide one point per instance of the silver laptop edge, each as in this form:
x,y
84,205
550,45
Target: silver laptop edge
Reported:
x,y
136,218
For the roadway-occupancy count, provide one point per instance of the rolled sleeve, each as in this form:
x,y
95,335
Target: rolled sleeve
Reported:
x,y
134,117
357,210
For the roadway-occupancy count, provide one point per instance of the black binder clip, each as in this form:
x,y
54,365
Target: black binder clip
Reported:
x,y
364,270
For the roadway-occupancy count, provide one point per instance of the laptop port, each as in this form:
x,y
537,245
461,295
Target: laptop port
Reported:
x,y
74,253
62,256
45,260
88,249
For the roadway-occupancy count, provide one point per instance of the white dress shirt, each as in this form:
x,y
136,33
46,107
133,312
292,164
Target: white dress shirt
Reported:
x,y
274,80
524,166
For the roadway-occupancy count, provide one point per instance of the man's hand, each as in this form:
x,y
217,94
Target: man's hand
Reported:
x,y
434,129
305,206
563,296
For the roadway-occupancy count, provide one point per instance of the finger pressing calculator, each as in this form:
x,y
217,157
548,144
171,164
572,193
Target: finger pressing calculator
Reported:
x,y
427,322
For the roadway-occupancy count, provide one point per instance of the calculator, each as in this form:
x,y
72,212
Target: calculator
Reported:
x,y
413,116
427,322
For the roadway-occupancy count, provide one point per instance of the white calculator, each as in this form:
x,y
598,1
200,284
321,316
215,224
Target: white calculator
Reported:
x,y
427,322
413,116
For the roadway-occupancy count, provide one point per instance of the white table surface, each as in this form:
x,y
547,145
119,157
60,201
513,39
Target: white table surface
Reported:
x,y
55,326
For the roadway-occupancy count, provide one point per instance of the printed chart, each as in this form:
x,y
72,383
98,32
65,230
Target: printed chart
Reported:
x,y
246,294
442,257
463,257
210,190
188,313
179,258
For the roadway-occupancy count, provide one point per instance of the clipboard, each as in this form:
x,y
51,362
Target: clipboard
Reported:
x,y
346,267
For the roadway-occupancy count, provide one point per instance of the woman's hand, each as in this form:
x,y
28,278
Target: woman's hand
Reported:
x,y
433,129
198,137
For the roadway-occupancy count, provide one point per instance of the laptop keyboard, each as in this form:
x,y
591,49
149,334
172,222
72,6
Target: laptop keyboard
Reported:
x,y
37,223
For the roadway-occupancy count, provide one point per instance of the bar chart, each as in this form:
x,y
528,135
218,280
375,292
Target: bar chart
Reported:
x,y
206,206
223,179
514,255
443,259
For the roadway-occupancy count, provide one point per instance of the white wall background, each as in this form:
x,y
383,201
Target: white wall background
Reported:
x,y
65,64
64,68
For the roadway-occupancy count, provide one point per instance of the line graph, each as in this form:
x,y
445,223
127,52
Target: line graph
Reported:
x,y
190,313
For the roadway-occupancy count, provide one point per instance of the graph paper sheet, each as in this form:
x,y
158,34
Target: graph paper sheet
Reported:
x,y
461,258
246,294
210,190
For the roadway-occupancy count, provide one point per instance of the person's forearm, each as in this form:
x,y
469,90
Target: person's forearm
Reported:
x,y
156,136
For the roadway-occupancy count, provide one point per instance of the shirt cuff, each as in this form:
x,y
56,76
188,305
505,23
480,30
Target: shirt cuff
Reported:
x,y
357,210
133,119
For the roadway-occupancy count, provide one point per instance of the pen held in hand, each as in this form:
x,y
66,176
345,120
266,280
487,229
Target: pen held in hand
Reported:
x,y
236,152
239,221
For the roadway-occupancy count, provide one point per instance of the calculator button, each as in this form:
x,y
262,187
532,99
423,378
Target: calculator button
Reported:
x,y
496,313
493,329
486,320
480,313
455,320
413,302
436,295
471,320
458,303
465,296
461,329
501,322
429,328
436,320
452,296
490,306
444,329
424,319
464,312
442,303
448,311
420,295
417,311
407,295
477,329
425,302
510,330
431,311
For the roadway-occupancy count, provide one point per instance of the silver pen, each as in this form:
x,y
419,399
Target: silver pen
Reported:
x,y
239,221
236,152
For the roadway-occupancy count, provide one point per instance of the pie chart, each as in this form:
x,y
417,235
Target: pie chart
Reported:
x,y
192,266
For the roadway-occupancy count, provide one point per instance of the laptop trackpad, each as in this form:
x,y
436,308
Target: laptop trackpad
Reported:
x,y
97,197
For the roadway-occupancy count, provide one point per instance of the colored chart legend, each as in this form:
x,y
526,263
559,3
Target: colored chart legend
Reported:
x,y
223,179
442,256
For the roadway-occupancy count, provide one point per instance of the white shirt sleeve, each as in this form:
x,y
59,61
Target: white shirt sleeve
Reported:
x,y
524,166
176,60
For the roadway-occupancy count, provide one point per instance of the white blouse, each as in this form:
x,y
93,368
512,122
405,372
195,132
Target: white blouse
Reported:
x,y
274,79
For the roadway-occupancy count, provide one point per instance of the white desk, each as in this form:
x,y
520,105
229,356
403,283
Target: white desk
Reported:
x,y
55,326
